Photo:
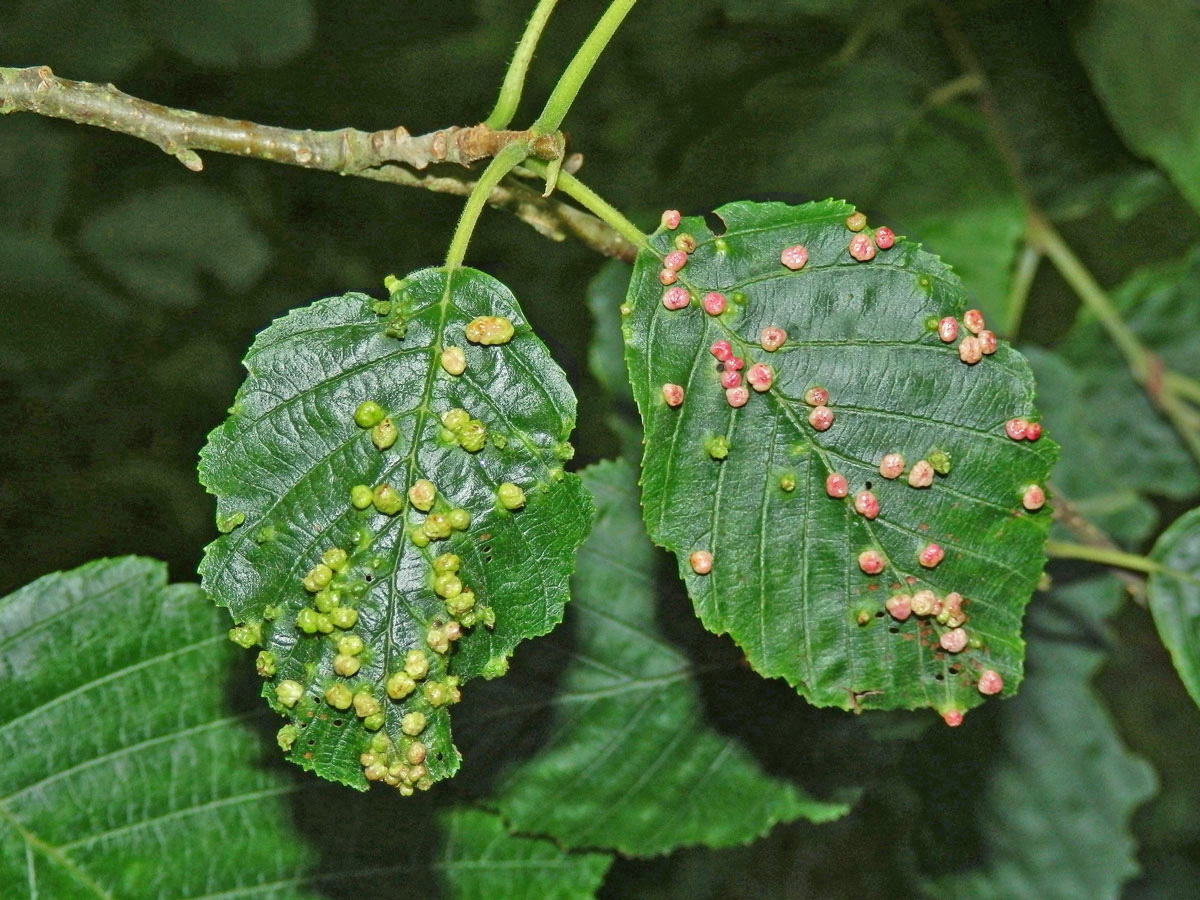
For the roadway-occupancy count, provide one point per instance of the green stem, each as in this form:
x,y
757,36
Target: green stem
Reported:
x,y
1103,555
502,163
514,78
1018,295
578,69
1182,385
593,203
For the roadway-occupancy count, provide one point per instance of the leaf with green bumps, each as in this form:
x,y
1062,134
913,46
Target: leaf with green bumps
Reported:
x,y
1174,596
631,749
121,744
786,582
472,466
1054,790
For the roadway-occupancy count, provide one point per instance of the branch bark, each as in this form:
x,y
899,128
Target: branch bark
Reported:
x,y
390,155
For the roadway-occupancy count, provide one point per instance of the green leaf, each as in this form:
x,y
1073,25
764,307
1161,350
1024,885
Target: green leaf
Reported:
x,y
643,772
1084,474
785,583
232,35
1134,50
119,749
1054,800
100,46
162,244
1139,443
1174,596
606,354
284,463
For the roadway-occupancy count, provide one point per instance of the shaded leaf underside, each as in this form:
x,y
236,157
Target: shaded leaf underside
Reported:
x,y
785,583
1174,596
285,461
120,750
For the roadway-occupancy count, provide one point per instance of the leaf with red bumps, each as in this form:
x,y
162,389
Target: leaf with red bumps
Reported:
x,y
785,580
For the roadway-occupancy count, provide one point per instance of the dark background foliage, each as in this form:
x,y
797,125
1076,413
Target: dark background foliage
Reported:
x,y
129,287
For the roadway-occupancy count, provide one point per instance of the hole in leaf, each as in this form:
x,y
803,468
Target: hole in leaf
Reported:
x,y
894,630
337,723
368,578
715,224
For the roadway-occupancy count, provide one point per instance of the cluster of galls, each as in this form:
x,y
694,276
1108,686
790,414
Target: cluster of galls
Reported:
x,y
332,589
974,346
459,428
921,474
399,764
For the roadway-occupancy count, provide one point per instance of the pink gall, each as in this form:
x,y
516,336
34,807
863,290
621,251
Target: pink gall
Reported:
x,y
714,303
861,248
1016,429
973,320
673,394
952,717
816,396
701,562
931,555
1033,431
866,504
871,562
891,465
954,640
923,603
990,682
675,260
921,474
737,396
821,418
760,376
772,338
731,379
794,257
987,342
671,218
898,607
667,276
676,298
970,351
885,238
1034,498
948,329
722,350
836,485
735,362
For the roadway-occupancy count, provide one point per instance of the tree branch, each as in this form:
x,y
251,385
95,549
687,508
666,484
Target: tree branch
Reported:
x,y
379,155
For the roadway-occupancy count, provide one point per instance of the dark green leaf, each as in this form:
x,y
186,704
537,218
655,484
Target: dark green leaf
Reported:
x,y
606,354
284,464
1174,596
102,45
220,34
785,582
119,749
631,763
1053,805
162,244
1139,56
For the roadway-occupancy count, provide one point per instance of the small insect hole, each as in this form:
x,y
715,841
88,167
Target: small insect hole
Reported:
x,y
894,630
337,723
368,578
868,485
939,677
715,224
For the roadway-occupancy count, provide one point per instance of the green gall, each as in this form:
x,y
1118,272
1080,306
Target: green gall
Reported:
x,y
286,736
413,723
265,534
375,721
787,482
396,328
447,562
368,414
416,663
380,743
489,330
436,693
336,558
510,496
940,460
246,636
400,686
447,437
625,309
685,242
422,494
975,643
557,473
500,440
495,667
455,419
289,692
419,537
346,665
447,585
360,496
564,451
460,604
375,772
392,284
717,447
467,617
416,753
436,526
459,518
264,663
386,500
721,245
318,577
384,434
339,696
327,600
350,645
306,620
472,436
325,623
226,524
437,640
454,361
738,298
487,616
381,307
932,323
366,705
343,617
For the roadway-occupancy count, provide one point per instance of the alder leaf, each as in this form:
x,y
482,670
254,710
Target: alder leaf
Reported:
x,y
1174,596
491,440
748,484
644,772
1053,797
121,746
